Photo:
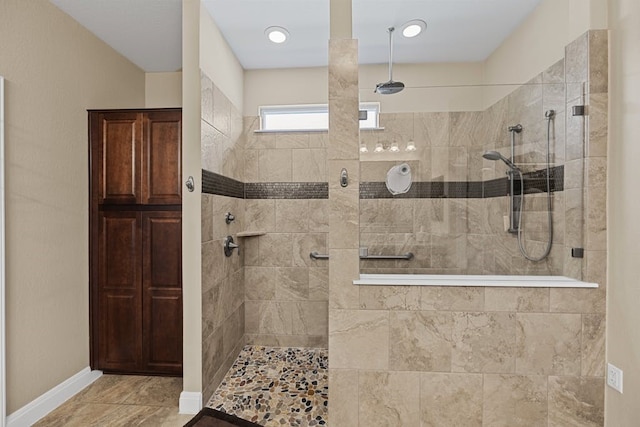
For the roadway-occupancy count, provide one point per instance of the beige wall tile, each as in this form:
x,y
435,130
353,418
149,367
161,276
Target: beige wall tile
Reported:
x,y
319,215
260,215
513,400
268,317
359,339
275,165
388,399
319,283
390,297
292,283
420,341
577,300
304,244
548,344
598,61
276,250
343,270
451,298
310,165
576,57
343,218
483,342
292,140
221,111
576,402
292,216
343,398
516,299
310,318
260,283
593,345
450,400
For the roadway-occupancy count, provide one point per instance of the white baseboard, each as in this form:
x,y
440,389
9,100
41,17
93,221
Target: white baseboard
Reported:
x,y
37,409
190,402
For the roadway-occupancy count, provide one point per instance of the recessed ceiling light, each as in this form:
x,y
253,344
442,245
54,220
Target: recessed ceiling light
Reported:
x,y
413,28
277,34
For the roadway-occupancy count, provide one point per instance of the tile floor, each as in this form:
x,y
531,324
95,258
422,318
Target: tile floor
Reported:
x,y
276,387
119,400
270,386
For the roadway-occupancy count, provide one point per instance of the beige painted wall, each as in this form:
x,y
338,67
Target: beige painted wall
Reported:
x,y
623,336
218,61
55,71
540,40
163,90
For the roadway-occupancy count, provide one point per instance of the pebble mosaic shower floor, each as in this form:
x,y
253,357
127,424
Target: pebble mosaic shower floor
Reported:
x,y
276,387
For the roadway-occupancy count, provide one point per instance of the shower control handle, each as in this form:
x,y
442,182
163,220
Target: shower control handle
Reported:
x,y
344,177
229,246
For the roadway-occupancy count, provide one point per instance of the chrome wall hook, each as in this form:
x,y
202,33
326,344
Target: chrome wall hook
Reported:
x,y
191,184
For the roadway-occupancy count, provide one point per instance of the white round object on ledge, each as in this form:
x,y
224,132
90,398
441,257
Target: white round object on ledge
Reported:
x,y
399,179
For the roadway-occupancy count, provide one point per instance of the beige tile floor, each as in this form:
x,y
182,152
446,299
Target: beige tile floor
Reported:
x,y
119,400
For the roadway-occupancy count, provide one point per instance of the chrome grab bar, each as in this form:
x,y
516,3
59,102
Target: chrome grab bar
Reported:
x,y
365,255
407,256
316,255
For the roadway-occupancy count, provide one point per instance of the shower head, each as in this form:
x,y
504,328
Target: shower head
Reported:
x,y
494,155
390,87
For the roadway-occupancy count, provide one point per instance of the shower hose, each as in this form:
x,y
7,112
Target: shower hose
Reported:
x,y
550,115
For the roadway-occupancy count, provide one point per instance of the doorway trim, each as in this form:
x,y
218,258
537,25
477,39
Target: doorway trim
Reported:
x,y
3,382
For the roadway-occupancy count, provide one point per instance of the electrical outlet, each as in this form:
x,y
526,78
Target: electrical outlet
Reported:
x,y
614,377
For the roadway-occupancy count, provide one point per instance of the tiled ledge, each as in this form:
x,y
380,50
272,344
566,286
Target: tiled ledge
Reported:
x,y
472,281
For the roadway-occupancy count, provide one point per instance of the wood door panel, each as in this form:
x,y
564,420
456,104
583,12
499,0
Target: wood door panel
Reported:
x,y
163,337
120,147
162,290
121,332
162,183
119,291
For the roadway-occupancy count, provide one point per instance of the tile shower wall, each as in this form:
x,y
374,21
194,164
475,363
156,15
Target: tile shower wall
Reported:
x,y
223,309
286,291
441,356
453,235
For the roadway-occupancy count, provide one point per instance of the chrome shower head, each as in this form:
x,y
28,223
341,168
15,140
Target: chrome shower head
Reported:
x,y
390,87
494,155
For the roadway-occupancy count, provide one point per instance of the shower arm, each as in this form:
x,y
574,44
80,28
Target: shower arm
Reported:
x,y
391,30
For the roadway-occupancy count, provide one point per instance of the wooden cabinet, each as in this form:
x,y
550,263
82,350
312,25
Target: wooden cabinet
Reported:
x,y
136,241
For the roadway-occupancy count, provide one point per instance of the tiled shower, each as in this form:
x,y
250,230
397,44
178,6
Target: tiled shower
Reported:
x,y
409,355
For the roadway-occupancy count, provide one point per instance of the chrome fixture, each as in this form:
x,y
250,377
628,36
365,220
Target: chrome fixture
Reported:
x,y
229,217
190,183
514,201
390,87
229,246
344,177
364,254
316,255
494,155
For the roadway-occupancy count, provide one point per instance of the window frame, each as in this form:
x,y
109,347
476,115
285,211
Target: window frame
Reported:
x,y
265,111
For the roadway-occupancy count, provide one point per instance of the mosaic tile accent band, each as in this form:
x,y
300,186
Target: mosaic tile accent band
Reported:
x,y
286,190
213,183
534,182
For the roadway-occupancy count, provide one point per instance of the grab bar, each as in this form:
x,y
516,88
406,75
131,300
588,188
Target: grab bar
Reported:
x,y
407,256
316,255
365,255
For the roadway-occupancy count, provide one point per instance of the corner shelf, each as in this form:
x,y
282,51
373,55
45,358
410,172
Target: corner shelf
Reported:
x,y
251,233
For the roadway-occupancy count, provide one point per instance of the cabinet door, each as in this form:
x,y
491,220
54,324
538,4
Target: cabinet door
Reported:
x,y
119,291
162,180
162,291
116,147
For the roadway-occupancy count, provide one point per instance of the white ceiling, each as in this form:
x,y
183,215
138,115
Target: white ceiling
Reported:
x,y
148,32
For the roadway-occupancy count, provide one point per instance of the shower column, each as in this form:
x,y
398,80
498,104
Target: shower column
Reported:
x,y
343,153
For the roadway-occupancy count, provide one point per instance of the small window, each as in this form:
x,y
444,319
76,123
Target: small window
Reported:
x,y
308,117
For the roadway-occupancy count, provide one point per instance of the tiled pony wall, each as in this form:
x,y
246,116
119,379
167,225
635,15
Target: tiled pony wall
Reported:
x,y
438,356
